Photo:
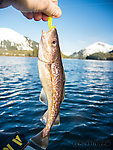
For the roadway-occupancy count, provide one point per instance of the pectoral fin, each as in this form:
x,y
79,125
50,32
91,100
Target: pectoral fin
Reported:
x,y
43,97
63,95
44,119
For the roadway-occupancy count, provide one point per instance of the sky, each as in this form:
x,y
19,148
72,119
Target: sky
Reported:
x,y
82,23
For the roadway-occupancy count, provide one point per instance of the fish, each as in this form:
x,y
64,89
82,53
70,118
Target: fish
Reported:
x,y
52,77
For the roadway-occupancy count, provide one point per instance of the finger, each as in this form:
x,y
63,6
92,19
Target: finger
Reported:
x,y
37,16
52,9
4,4
28,15
44,17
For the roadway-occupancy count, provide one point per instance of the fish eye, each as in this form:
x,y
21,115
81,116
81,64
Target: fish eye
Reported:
x,y
54,43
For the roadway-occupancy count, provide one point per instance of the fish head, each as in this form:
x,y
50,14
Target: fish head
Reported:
x,y
49,46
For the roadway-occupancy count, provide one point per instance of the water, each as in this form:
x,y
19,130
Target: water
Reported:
x,y
86,113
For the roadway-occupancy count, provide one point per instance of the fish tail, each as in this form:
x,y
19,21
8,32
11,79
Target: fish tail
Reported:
x,y
40,141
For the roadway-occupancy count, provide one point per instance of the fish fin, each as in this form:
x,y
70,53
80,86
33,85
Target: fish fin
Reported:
x,y
64,87
63,93
40,141
43,97
57,121
44,118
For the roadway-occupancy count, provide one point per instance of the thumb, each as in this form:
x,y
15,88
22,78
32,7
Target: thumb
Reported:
x,y
53,10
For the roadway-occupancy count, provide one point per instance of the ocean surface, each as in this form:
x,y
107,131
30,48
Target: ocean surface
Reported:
x,y
86,112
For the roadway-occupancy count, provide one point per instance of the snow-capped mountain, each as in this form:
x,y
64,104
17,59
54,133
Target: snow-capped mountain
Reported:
x,y
94,48
10,39
97,47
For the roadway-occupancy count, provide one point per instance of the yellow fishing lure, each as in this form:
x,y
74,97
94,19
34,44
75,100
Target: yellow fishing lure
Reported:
x,y
50,23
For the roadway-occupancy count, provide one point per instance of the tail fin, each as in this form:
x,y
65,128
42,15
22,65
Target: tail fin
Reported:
x,y
40,141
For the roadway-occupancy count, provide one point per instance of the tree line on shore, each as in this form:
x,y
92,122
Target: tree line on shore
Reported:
x,y
24,53
34,53
101,56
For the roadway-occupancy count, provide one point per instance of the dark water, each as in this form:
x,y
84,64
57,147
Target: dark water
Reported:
x,y
86,113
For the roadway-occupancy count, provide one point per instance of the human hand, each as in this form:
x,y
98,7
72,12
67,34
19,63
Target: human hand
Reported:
x,y
37,9
46,8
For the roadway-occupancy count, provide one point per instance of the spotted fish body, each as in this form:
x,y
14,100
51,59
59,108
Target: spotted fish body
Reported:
x,y
53,79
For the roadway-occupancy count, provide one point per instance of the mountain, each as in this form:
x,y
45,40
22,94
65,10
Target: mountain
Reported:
x,y
97,47
78,55
11,40
94,48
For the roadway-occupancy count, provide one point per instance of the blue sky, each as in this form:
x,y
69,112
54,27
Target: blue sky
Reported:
x,y
82,23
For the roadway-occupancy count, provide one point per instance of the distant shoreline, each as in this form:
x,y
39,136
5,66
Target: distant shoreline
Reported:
x,y
17,56
62,58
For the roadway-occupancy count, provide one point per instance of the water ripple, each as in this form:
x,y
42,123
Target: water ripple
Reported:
x,y
86,112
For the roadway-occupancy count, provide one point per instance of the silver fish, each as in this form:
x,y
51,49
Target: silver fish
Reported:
x,y
52,77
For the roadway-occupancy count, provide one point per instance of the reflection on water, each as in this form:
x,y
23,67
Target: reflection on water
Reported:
x,y
86,113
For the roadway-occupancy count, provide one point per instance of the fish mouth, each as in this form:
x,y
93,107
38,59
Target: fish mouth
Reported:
x,y
48,32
